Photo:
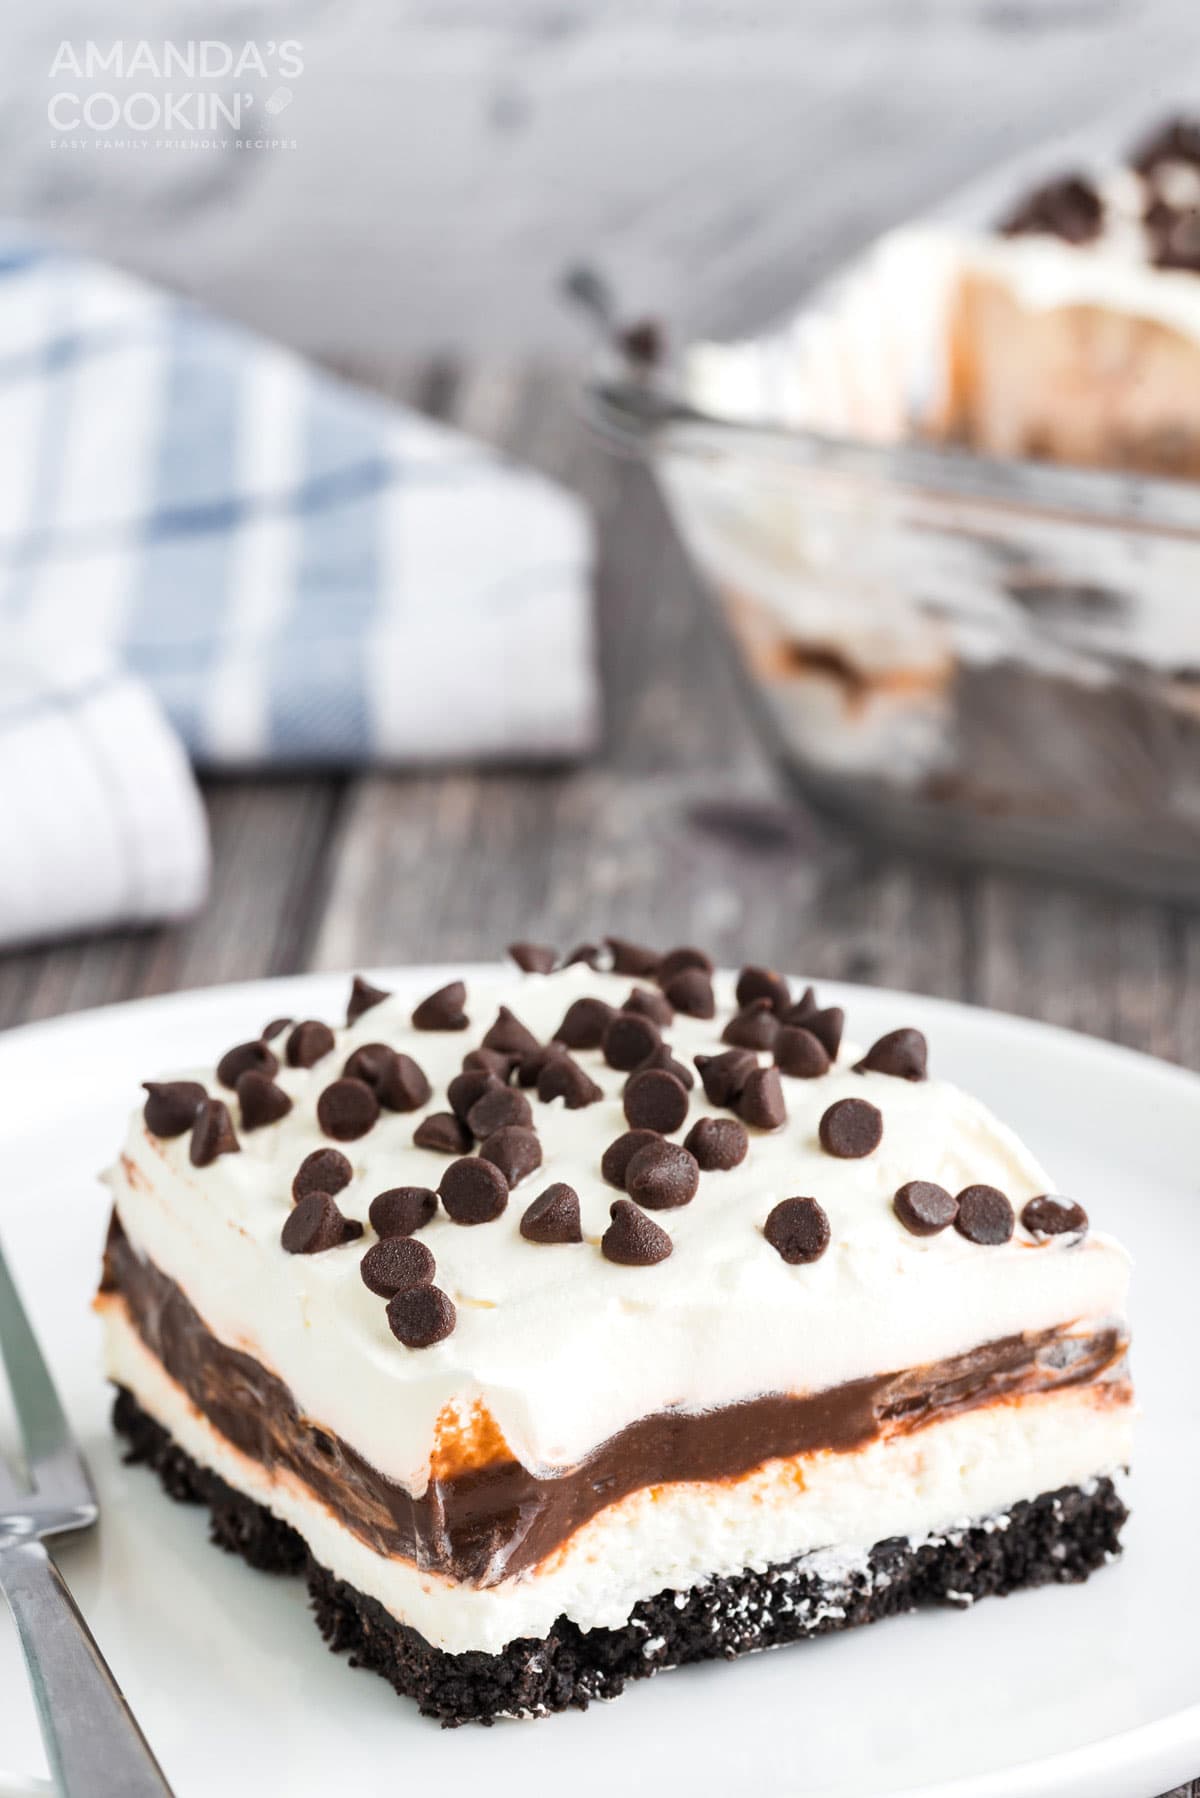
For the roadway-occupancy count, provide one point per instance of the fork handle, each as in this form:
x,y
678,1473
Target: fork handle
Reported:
x,y
94,1746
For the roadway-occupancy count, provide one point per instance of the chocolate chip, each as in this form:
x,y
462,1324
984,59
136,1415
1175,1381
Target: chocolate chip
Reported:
x,y
590,953
761,1100
655,1100
690,991
827,1027
1175,243
614,1163
851,1128
826,1023
396,1264
363,996
401,1210
261,1102
369,1064
421,1316
629,1040
442,1010
474,1191
489,1061
235,1062
902,1053
662,1176
763,983
529,1067
442,1132
682,961
516,1152
275,1028
631,958
1069,208
584,1024
347,1109
1176,141
633,1239
800,1054
724,1077
396,1080
325,1170
663,1058
803,1008
212,1133
498,1106
717,1144
534,958
172,1106
754,1027
561,1077
644,1002
309,1042
316,1224
509,1035
984,1215
553,1217
1050,1216
798,1230
924,1208
404,1086
467,1088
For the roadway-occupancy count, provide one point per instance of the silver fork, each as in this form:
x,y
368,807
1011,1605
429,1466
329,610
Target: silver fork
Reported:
x,y
94,1746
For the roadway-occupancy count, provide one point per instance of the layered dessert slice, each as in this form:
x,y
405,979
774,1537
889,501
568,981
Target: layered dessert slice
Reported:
x,y
582,1321
1074,332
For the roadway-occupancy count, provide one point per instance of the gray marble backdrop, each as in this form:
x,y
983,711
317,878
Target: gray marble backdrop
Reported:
x,y
443,160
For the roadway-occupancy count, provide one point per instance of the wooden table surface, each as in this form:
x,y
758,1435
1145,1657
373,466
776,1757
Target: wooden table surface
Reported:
x,y
677,832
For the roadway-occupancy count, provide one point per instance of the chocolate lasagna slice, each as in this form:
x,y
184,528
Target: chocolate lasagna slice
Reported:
x,y
583,1321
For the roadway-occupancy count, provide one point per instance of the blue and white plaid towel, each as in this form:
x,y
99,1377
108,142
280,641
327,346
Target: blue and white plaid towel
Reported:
x,y
297,573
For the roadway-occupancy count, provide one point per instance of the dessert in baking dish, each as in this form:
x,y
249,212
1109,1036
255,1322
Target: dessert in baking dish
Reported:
x,y
963,632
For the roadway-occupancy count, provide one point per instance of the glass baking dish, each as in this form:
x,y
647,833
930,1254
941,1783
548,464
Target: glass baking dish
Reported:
x,y
995,660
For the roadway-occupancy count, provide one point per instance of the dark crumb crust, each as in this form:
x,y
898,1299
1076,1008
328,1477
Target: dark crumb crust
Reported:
x,y
1060,1537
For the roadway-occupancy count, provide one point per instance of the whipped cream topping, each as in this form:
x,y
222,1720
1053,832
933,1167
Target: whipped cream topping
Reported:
x,y
561,1346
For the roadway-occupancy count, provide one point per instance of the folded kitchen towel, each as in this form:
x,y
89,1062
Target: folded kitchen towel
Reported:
x,y
301,572
296,573
100,820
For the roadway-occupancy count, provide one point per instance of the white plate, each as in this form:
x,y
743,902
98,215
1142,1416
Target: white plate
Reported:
x,y
1089,1690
